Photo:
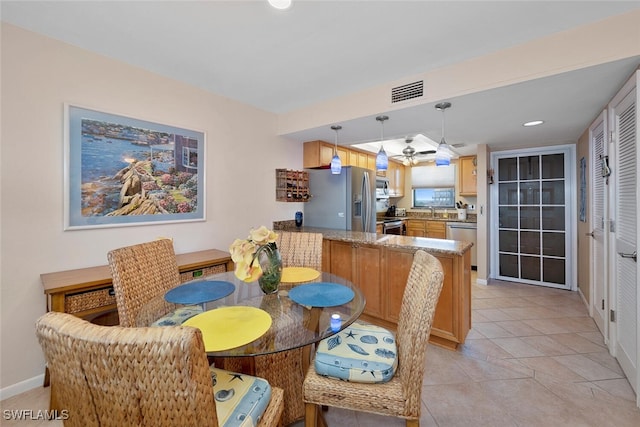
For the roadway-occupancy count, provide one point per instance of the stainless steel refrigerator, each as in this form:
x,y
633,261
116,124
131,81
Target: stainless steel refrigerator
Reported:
x,y
343,202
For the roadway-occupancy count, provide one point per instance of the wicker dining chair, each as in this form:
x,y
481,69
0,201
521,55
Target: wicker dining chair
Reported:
x,y
112,376
142,273
286,369
300,249
400,396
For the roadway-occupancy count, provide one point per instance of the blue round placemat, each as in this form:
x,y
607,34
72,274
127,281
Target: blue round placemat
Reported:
x,y
199,292
321,294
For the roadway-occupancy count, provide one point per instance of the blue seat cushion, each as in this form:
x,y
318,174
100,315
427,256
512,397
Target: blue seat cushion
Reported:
x,y
178,316
240,399
360,353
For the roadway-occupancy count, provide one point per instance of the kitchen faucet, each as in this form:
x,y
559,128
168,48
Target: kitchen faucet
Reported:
x,y
433,211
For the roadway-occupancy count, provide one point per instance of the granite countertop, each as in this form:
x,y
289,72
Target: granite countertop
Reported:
x,y
452,247
381,220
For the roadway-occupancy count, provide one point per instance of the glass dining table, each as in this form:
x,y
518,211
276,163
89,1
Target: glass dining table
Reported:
x,y
301,314
293,324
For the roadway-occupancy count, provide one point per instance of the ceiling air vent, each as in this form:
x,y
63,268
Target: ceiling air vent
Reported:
x,y
408,91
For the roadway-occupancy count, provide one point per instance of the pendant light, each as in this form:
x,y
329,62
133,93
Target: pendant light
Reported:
x,y
336,163
443,153
382,161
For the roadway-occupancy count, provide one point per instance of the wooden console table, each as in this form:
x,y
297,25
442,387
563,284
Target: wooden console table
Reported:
x,y
88,292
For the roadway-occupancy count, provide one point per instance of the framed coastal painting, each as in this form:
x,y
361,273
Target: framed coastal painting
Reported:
x,y
122,171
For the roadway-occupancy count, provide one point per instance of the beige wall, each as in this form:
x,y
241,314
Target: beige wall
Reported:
x,y
38,76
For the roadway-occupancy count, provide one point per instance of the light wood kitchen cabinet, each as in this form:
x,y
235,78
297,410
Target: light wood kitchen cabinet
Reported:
x,y
381,273
360,264
395,173
360,159
436,229
468,176
319,154
426,228
371,162
452,320
416,228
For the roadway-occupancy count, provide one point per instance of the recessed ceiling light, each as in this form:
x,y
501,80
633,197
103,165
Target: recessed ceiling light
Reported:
x,y
533,123
280,4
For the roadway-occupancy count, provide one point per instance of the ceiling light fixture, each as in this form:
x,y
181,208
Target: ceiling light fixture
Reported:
x,y
382,161
409,153
533,123
443,153
280,4
336,163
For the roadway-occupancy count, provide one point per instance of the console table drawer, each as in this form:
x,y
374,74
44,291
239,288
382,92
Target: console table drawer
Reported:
x,y
190,275
89,300
88,292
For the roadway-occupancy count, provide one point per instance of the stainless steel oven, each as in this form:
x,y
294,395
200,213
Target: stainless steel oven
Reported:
x,y
393,227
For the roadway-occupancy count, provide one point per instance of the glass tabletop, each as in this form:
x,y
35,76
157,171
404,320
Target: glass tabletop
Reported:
x,y
293,325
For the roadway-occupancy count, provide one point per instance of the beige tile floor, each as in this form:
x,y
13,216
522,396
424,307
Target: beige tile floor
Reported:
x,y
533,358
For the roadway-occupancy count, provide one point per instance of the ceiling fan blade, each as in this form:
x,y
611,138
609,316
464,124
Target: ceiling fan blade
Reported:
x,y
426,152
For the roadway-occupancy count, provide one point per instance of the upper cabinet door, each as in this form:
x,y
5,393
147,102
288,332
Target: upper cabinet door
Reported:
x,y
468,176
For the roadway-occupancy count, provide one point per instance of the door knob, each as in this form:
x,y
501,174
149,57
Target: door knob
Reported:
x,y
633,256
589,234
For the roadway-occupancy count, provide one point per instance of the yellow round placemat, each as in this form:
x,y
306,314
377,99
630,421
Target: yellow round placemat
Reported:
x,y
230,327
298,274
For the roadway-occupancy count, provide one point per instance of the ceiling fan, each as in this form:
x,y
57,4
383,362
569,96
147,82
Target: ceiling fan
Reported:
x,y
409,154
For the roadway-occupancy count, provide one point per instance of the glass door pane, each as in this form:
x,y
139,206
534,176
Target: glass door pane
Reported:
x,y
532,219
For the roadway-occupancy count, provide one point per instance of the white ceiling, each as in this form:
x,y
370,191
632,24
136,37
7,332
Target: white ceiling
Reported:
x,y
281,61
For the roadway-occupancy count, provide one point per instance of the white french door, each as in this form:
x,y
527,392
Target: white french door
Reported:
x,y
598,217
625,194
534,201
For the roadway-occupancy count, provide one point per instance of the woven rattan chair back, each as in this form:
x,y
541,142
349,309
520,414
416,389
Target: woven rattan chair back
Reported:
x,y
114,376
300,249
414,325
400,396
141,273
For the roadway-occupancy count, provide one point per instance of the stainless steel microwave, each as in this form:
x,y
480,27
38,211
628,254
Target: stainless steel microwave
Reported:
x,y
382,188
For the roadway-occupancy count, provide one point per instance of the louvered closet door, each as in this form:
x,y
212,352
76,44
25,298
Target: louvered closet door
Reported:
x,y
534,211
598,131
624,116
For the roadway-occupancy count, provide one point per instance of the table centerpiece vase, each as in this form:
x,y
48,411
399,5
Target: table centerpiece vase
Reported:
x,y
271,265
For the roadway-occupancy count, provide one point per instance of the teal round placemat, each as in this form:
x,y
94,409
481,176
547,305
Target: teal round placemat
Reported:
x,y
199,292
321,294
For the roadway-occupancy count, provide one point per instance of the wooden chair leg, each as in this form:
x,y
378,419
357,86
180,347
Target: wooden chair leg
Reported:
x,y
47,379
311,415
412,423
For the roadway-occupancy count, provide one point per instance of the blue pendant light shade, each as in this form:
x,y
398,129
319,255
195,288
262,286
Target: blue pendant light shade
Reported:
x,y
443,152
336,163
382,160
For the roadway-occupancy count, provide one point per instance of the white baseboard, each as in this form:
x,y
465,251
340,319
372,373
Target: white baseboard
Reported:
x,y
481,282
21,387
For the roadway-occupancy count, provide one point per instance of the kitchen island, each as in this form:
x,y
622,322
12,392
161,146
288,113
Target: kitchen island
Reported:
x,y
379,265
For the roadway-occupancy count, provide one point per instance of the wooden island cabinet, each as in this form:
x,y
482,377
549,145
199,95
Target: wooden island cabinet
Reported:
x,y
360,264
380,266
